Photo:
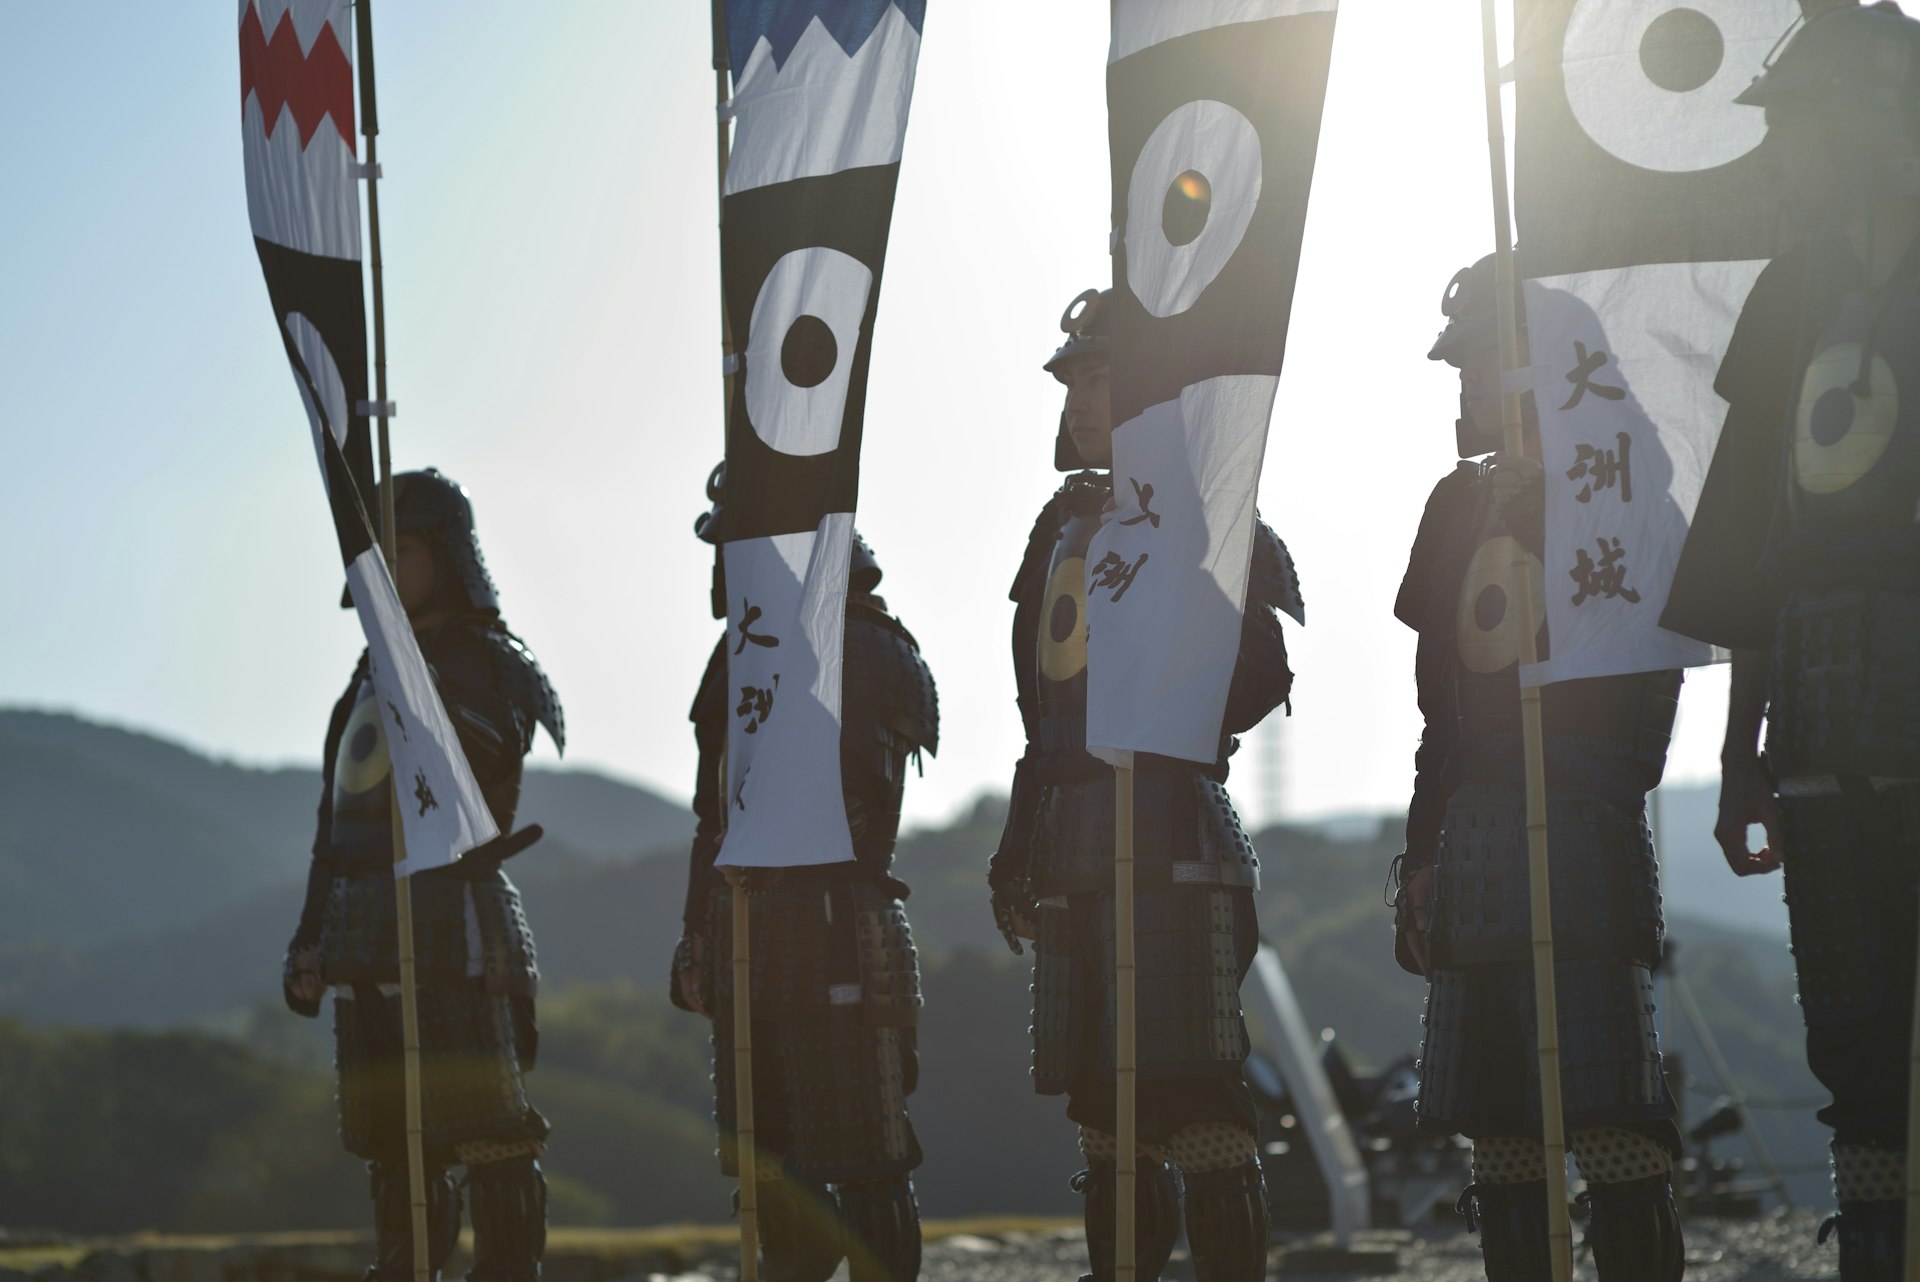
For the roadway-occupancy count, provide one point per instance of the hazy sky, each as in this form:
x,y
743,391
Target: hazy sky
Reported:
x,y
553,339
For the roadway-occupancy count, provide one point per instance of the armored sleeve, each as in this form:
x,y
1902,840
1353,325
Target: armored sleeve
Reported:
x,y
1722,593
1426,602
1262,680
307,933
709,717
1013,855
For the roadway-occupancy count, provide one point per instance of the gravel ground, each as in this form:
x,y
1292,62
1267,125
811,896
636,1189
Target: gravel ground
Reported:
x,y
1775,1248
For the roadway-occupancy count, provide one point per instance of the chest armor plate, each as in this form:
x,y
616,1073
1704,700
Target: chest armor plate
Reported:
x,y
1061,653
1856,443
362,778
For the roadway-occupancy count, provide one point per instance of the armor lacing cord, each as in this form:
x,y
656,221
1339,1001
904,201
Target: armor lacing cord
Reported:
x,y
1864,1173
1615,1155
1505,1159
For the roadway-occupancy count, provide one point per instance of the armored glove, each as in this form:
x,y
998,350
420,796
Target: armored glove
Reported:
x,y
1013,910
1412,913
301,985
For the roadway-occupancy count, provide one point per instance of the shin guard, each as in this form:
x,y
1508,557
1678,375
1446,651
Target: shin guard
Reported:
x,y
1227,1224
1156,1218
882,1221
509,1212
1512,1220
800,1233
393,1222
1872,1235
1636,1231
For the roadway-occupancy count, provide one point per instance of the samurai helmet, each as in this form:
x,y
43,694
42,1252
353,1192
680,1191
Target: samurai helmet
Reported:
x,y
1088,325
436,508
863,571
1856,71
1471,306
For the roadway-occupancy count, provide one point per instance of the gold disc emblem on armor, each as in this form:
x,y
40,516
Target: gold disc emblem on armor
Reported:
x,y
1843,427
362,763
1063,628
1488,625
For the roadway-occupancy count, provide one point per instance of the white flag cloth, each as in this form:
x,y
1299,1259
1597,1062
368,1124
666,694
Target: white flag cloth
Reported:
x,y
303,200
1643,221
1214,120
820,97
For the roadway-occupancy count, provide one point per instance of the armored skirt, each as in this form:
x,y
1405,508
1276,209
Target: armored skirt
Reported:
x,y
1843,738
1195,938
1479,1066
476,979
835,1000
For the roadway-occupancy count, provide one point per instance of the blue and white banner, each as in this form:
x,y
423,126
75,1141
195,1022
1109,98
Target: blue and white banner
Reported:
x,y
820,96
1214,121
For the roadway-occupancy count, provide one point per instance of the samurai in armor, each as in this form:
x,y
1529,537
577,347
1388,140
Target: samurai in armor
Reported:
x,y
1052,878
475,958
1462,914
1804,560
836,980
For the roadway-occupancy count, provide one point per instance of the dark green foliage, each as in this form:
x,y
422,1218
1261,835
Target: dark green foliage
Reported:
x,y
234,1128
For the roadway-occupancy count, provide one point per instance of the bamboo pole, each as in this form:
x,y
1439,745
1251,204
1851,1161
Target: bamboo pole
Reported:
x,y
1125,1026
389,546
1540,897
747,1157
1912,1246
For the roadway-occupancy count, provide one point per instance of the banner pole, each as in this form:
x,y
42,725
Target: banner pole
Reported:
x,y
1912,1267
1126,1027
722,152
1540,897
746,1154
747,1158
389,547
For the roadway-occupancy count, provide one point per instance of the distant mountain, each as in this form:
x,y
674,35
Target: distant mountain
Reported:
x,y
109,836
149,887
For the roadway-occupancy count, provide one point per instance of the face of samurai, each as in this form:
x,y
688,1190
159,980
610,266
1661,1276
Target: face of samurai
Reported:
x,y
414,575
1089,414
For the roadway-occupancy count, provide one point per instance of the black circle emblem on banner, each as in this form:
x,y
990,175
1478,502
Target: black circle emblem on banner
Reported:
x,y
804,328
1682,50
326,395
1191,196
1653,82
1183,215
808,353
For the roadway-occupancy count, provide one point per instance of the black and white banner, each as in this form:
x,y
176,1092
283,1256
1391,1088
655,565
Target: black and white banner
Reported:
x,y
1214,117
820,96
302,172
1644,219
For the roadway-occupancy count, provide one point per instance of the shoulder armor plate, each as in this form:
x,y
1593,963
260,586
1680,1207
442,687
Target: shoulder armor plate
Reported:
x,y
524,682
886,680
1273,581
